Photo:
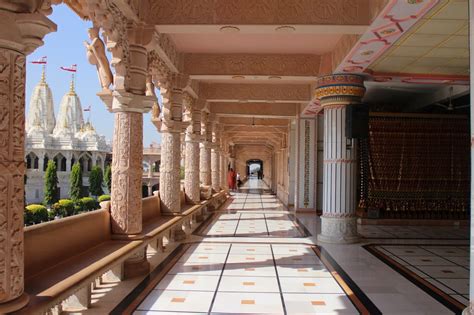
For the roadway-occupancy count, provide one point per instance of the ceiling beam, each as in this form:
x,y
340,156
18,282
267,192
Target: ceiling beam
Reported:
x,y
262,12
255,109
244,121
252,65
287,93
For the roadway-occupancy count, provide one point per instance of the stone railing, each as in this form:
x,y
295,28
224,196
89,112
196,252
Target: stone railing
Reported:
x,y
66,258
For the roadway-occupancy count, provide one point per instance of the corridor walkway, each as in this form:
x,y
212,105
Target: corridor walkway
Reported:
x,y
255,257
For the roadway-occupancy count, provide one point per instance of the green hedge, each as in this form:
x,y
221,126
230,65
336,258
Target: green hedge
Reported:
x,y
62,208
35,214
89,204
104,198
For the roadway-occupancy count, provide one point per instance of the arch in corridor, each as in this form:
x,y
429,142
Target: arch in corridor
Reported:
x,y
253,162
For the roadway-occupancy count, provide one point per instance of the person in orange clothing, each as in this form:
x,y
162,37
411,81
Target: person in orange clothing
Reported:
x,y
231,179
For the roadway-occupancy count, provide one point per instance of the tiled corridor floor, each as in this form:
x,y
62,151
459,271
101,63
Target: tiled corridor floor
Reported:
x,y
252,258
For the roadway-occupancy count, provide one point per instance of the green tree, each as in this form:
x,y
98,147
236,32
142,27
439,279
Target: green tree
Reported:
x,y
108,177
96,179
75,181
51,184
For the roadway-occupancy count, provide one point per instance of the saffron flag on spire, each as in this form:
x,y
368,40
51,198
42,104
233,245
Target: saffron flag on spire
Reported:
x,y
42,61
72,68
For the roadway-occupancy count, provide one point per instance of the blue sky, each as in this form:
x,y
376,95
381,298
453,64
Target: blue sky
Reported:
x,y
64,48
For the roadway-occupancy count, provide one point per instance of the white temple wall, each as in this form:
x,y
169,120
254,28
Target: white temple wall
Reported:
x,y
306,135
292,165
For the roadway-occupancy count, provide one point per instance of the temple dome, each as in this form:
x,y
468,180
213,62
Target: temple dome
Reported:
x,y
70,119
41,112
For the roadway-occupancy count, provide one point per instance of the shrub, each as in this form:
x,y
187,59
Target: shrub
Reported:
x,y
89,204
76,182
51,184
35,214
108,177
62,208
96,179
104,198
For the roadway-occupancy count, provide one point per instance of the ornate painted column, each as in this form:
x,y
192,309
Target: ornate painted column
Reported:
x,y
215,158
192,139
205,148
171,128
22,32
338,222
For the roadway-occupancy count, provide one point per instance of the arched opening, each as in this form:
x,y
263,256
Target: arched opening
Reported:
x,y
255,168
60,161
32,161
86,163
45,162
98,162
73,161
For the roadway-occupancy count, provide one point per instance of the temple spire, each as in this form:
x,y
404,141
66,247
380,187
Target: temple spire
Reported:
x,y
43,75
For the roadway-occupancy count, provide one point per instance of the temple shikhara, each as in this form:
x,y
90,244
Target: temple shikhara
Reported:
x,y
315,158
65,140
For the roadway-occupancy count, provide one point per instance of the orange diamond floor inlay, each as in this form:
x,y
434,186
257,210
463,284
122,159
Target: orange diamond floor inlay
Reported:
x,y
178,300
248,283
189,282
318,303
309,284
302,270
248,302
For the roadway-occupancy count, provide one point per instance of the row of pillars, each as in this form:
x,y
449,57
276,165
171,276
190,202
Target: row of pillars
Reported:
x,y
205,161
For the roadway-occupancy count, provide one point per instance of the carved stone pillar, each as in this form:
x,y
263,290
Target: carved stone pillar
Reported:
x,y
126,203
22,32
215,158
171,128
338,222
205,148
192,139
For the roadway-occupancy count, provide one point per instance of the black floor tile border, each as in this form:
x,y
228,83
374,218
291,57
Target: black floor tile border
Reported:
x,y
436,293
359,299
122,307
297,222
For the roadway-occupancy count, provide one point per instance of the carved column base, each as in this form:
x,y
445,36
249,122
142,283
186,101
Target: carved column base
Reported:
x,y
338,230
137,265
467,311
14,305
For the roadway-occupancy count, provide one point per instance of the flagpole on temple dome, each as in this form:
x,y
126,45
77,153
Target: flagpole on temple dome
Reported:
x,y
73,69
42,61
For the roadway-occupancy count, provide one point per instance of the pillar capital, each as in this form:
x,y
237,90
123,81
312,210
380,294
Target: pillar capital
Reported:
x,y
123,101
23,32
340,89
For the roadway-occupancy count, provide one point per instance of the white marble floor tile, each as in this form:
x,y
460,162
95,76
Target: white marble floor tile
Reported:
x,y
310,285
177,301
247,303
188,283
318,304
249,284
250,270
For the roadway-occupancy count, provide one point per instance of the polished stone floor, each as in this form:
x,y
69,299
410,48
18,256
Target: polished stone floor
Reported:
x,y
252,258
